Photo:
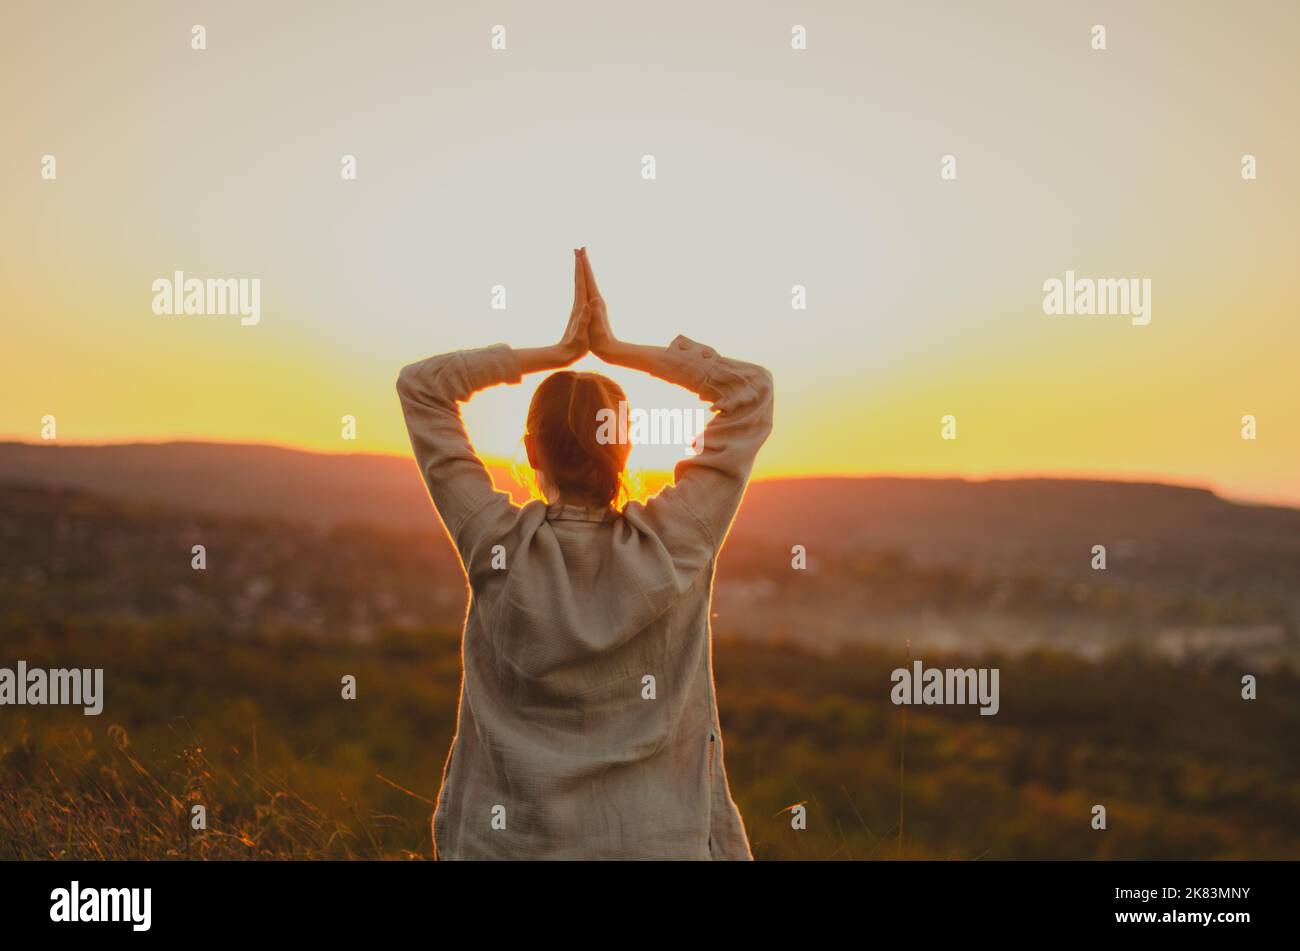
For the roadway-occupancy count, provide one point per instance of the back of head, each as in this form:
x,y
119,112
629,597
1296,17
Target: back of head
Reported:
x,y
564,420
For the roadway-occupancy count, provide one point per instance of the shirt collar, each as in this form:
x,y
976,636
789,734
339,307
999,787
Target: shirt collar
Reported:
x,y
579,513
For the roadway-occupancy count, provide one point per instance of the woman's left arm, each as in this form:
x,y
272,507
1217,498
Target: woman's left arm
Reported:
x,y
431,391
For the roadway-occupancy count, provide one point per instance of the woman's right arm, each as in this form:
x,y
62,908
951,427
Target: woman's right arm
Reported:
x,y
709,485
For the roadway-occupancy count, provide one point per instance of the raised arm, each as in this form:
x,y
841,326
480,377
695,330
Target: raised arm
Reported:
x,y
708,486
431,391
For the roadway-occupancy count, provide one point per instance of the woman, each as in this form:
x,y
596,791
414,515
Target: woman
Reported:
x,y
587,724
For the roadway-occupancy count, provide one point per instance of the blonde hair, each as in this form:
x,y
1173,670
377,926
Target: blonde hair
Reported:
x,y
562,419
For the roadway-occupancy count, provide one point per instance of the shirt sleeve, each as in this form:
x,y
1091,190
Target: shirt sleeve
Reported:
x,y
430,391
709,485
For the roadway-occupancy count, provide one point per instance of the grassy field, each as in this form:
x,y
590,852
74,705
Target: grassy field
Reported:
x,y
254,729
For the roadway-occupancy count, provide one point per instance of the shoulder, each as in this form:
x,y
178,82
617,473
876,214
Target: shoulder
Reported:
x,y
496,528
667,518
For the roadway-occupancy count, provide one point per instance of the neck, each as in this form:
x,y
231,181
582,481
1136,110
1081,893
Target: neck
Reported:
x,y
555,497
575,501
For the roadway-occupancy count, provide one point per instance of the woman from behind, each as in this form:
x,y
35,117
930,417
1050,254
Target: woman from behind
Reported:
x,y
587,723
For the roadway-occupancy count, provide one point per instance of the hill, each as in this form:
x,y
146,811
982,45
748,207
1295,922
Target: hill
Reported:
x,y
1003,521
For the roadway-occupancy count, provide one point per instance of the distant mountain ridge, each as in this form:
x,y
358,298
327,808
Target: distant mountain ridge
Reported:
x,y
999,519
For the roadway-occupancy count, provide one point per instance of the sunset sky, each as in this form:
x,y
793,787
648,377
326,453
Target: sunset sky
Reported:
x,y
775,167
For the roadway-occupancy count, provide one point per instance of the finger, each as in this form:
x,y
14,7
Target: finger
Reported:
x,y
592,289
579,282
589,276
579,278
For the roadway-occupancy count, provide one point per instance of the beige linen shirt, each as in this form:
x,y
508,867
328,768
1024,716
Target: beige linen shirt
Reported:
x,y
559,753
